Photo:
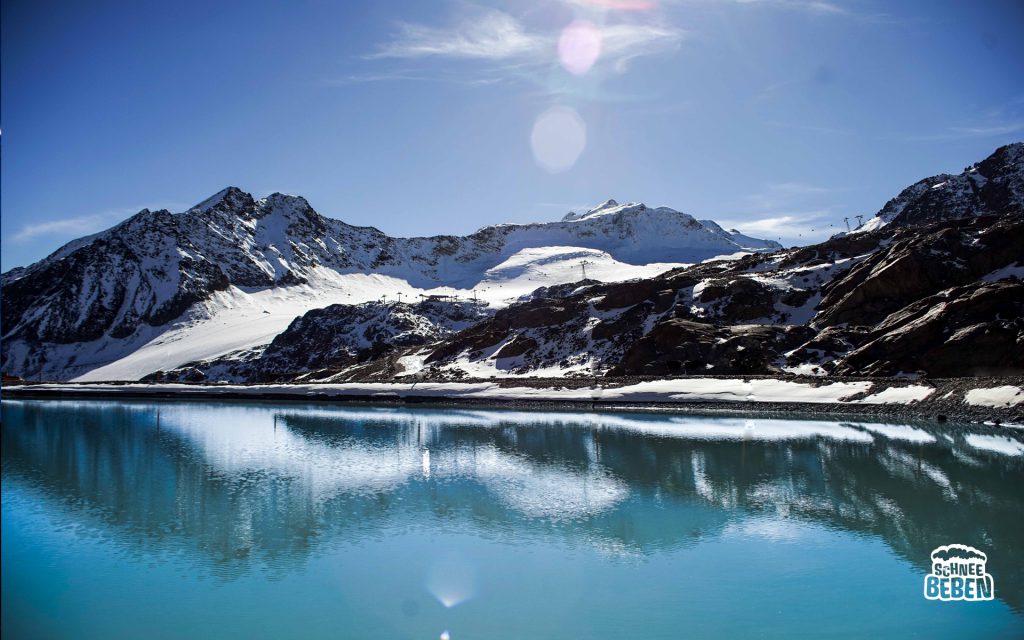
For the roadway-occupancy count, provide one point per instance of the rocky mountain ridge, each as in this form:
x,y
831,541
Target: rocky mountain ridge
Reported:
x,y
933,298
862,305
993,186
932,290
102,297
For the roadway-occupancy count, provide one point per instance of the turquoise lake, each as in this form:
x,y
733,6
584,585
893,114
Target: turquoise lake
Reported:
x,y
252,520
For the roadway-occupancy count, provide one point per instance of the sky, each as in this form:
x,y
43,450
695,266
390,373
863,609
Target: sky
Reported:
x,y
778,117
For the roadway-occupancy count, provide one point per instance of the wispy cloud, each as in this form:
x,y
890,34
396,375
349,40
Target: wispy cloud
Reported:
x,y
496,37
810,6
814,128
799,228
489,35
783,195
991,130
789,211
410,77
76,226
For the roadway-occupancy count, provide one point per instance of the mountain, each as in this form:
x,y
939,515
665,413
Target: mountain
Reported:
x,y
161,290
943,300
993,186
935,295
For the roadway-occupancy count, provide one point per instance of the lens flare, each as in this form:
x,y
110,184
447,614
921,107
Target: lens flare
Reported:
x,y
452,580
558,138
579,47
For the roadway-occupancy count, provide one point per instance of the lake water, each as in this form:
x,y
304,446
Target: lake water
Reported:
x,y
235,520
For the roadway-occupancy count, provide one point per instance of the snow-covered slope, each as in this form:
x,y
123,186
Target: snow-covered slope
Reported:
x,y
160,290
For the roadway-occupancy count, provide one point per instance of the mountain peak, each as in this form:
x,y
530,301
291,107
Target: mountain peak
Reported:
x,y
993,186
608,206
233,197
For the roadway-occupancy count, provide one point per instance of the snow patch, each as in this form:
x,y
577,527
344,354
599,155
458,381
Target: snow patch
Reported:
x,y
1005,396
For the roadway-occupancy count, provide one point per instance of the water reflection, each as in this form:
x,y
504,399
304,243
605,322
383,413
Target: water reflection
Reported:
x,y
241,485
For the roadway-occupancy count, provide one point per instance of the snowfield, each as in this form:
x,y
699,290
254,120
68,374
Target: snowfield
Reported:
x,y
239,319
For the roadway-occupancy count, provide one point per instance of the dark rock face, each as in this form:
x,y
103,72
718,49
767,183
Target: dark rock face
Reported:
x,y
682,347
337,337
971,330
106,286
744,299
919,264
992,186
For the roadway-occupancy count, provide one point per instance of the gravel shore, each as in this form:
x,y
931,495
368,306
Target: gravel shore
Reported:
x,y
945,405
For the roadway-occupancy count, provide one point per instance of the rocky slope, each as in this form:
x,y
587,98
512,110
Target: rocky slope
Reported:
x,y
100,299
860,305
993,186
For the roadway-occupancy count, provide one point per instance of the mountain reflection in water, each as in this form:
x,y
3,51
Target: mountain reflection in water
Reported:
x,y
242,486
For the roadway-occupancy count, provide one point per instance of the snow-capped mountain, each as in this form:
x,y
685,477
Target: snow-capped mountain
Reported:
x,y
993,186
160,289
942,300
940,295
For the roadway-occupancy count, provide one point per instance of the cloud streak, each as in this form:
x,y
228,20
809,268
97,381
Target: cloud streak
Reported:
x,y
491,35
800,228
497,37
820,8
792,212
75,226
963,133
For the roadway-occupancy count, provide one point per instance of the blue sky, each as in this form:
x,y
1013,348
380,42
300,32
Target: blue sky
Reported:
x,y
775,116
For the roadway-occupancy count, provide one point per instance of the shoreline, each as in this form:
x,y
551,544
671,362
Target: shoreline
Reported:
x,y
940,401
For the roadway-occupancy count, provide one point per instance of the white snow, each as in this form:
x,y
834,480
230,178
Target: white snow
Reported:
x,y
1005,396
677,390
899,395
1015,270
238,319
